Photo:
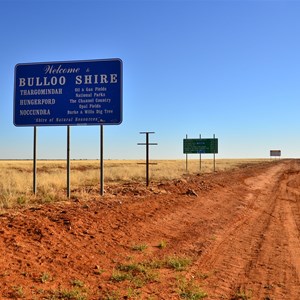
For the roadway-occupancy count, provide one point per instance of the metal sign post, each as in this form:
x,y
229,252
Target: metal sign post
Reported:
x,y
214,153
147,144
101,162
68,162
186,157
34,158
200,155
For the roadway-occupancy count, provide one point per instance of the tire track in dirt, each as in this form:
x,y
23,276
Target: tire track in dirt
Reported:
x,y
252,255
275,274
291,222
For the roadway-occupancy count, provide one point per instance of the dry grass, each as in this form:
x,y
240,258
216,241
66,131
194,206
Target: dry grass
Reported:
x,y
16,176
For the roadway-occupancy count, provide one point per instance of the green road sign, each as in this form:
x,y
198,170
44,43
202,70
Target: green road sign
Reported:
x,y
191,146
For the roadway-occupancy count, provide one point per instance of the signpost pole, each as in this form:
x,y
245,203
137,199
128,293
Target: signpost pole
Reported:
x,y
68,161
101,162
186,157
34,158
214,153
200,154
147,158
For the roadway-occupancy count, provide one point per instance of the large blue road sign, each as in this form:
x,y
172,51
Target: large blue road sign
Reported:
x,y
68,93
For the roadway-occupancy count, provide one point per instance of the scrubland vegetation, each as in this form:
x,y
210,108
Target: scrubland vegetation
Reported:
x,y
16,176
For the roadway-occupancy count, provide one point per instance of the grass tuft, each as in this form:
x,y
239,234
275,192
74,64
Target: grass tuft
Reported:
x,y
140,247
187,289
178,263
162,245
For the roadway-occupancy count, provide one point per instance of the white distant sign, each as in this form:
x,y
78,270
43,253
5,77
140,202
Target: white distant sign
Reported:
x,y
275,152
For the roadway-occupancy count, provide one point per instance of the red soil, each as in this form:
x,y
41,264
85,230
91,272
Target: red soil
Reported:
x,y
239,230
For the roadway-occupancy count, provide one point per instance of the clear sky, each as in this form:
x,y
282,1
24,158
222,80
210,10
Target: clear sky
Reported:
x,y
229,68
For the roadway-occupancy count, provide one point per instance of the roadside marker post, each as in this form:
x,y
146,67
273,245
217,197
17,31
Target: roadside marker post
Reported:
x,y
147,144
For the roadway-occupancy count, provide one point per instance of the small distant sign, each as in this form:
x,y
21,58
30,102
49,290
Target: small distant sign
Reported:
x,y
275,152
193,146
68,93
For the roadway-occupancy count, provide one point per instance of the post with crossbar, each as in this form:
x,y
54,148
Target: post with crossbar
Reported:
x,y
147,144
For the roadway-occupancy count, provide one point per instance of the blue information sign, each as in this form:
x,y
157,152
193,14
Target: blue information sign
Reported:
x,y
68,93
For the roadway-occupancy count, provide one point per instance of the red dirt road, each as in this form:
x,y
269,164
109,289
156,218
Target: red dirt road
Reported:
x,y
238,231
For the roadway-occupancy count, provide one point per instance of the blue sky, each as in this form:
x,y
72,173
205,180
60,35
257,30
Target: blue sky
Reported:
x,y
229,68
